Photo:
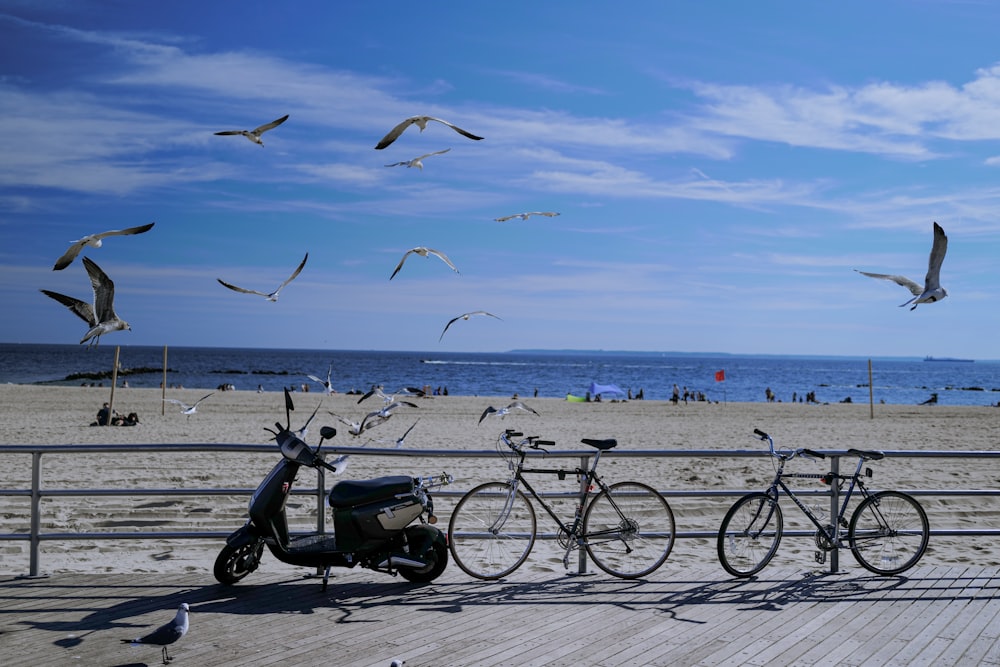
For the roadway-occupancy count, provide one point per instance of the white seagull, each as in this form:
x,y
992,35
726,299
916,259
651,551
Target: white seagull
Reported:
x,y
377,390
326,383
185,408
421,122
516,405
166,634
466,316
525,216
101,316
94,241
273,296
423,252
254,135
931,290
373,419
417,162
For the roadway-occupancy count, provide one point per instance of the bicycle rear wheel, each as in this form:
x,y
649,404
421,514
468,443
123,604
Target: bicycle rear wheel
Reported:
x,y
750,534
888,532
491,531
629,530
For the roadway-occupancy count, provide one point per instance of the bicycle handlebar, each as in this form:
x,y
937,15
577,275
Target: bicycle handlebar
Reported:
x,y
531,441
804,451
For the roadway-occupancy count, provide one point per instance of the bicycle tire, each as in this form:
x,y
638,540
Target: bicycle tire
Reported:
x,y
629,530
484,543
750,534
888,532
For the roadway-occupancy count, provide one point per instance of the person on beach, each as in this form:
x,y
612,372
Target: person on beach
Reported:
x,y
104,415
675,398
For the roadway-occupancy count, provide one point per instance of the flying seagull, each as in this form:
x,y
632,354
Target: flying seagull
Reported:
x,y
421,122
166,634
340,463
423,252
525,216
254,135
377,390
94,241
101,316
326,383
185,408
516,405
464,317
417,161
931,290
273,296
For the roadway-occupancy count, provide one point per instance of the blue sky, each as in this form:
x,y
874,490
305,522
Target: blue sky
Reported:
x,y
720,169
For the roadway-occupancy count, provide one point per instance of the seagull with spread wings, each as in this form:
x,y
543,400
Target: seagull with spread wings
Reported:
x,y
465,316
101,316
417,162
273,296
421,122
326,383
502,412
95,241
254,134
931,290
185,408
423,252
525,216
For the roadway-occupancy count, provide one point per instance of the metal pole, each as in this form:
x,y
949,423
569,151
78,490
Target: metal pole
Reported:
x,y
114,381
582,556
36,496
163,385
834,514
871,392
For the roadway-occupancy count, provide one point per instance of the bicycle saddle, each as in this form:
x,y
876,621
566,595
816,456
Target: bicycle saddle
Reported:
x,y
866,455
607,443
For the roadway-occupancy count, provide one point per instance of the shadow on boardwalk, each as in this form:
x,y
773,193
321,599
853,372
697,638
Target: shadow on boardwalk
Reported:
x,y
681,616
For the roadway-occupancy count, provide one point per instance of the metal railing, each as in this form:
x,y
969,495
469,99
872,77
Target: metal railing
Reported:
x,y
36,493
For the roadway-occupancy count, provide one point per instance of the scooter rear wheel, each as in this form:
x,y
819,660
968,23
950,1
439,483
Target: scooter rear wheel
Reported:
x,y
437,561
234,563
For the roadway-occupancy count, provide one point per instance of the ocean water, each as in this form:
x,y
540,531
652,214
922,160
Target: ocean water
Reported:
x,y
551,374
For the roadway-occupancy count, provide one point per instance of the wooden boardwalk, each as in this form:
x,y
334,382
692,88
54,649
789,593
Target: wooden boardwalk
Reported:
x,y
680,616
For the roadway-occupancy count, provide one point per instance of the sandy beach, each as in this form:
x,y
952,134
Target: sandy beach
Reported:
x,y
61,415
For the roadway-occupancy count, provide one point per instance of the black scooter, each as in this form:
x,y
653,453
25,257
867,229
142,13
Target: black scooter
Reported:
x,y
371,520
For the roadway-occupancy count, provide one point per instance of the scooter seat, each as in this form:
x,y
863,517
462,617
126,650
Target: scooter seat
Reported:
x,y
349,492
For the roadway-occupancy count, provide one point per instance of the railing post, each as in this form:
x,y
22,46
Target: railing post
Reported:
x,y
835,514
36,497
582,556
320,497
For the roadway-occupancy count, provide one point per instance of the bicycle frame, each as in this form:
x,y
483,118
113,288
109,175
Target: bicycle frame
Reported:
x,y
832,536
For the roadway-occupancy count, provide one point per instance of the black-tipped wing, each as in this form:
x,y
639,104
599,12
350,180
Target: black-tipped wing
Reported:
x,y
104,292
915,289
270,126
464,133
933,279
240,289
69,255
82,309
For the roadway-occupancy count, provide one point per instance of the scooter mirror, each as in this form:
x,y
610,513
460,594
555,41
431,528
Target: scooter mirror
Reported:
x,y
327,432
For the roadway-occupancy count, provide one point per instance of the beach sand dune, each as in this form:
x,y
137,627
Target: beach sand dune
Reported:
x,y
61,415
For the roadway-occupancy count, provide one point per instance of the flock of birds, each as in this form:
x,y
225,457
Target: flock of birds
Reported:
x,y
100,315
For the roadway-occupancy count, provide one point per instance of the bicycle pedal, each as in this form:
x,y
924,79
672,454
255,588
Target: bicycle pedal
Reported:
x,y
820,556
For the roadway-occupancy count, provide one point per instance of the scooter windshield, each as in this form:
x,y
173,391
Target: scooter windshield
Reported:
x,y
295,450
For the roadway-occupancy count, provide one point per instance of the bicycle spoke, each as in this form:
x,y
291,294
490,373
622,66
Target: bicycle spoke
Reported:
x,y
629,530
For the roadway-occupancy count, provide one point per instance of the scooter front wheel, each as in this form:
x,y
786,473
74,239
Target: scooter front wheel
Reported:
x,y
234,563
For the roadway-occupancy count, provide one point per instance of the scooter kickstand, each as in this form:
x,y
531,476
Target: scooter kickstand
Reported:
x,y
326,577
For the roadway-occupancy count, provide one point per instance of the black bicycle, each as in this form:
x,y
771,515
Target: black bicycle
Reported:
x,y
627,528
887,533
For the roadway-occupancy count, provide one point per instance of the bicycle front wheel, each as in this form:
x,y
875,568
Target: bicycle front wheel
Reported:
x,y
888,532
628,530
491,531
750,534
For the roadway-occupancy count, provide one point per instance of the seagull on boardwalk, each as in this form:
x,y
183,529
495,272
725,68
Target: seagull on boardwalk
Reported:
x,y
423,252
931,290
417,161
101,316
185,408
502,412
326,383
166,634
273,296
254,135
421,122
525,216
466,316
94,241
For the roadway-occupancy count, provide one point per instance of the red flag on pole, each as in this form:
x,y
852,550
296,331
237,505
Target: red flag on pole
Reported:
x,y
720,376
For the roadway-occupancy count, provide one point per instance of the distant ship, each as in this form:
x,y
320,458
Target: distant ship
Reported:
x,y
966,361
